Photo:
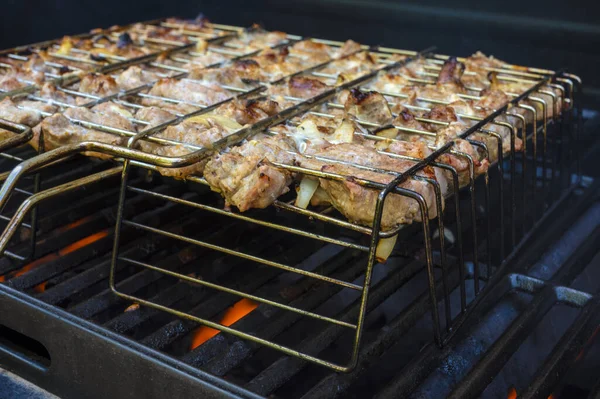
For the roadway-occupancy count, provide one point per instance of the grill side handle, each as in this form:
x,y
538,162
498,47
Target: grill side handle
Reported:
x,y
83,358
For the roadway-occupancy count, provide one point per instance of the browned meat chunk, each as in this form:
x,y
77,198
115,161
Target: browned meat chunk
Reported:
x,y
248,111
388,82
51,92
357,202
59,130
303,87
238,74
451,74
199,131
244,175
135,76
154,116
368,106
98,85
186,90
351,67
25,112
298,87
109,107
407,119
349,47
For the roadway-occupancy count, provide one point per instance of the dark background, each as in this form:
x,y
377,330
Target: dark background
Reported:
x,y
551,34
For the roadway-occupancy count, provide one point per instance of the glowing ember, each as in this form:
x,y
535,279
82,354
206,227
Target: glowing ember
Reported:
x,y
233,314
34,264
74,224
512,393
132,307
40,287
83,242
53,256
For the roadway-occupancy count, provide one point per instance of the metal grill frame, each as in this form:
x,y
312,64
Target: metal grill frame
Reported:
x,y
135,158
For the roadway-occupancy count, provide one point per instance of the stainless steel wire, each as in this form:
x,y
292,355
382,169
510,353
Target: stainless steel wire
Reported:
x,y
536,100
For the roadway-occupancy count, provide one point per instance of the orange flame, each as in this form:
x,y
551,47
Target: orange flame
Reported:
x,y
83,242
74,224
40,287
512,394
53,256
233,314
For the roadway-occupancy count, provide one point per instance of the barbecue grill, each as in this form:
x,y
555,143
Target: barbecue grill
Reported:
x,y
151,276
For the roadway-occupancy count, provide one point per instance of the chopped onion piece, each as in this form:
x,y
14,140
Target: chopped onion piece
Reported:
x,y
201,45
121,111
65,46
309,129
385,248
300,142
307,188
344,133
209,119
389,133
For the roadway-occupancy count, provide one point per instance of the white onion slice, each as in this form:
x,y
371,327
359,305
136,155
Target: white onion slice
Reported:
x,y
344,133
385,248
307,188
309,129
201,46
210,119
389,133
65,46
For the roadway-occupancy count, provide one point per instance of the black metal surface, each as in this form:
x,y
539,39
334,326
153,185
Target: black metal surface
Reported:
x,y
100,347
91,351
95,363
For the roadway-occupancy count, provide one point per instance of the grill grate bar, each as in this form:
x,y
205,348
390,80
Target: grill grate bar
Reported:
x,y
262,242
284,368
216,303
99,303
234,351
334,384
167,298
565,352
504,347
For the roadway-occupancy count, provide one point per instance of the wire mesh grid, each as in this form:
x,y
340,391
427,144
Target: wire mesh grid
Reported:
x,y
543,115
35,101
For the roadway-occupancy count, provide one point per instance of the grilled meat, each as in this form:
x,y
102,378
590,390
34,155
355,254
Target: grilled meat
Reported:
x,y
154,116
49,91
248,111
256,39
58,130
133,77
357,202
200,131
368,106
24,112
186,90
298,87
351,67
236,74
97,85
388,82
245,176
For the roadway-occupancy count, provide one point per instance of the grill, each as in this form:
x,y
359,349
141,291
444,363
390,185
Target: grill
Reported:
x,y
141,268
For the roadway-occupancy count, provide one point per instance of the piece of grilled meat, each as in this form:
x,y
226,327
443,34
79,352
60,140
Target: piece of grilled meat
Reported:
x,y
357,202
245,176
58,130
